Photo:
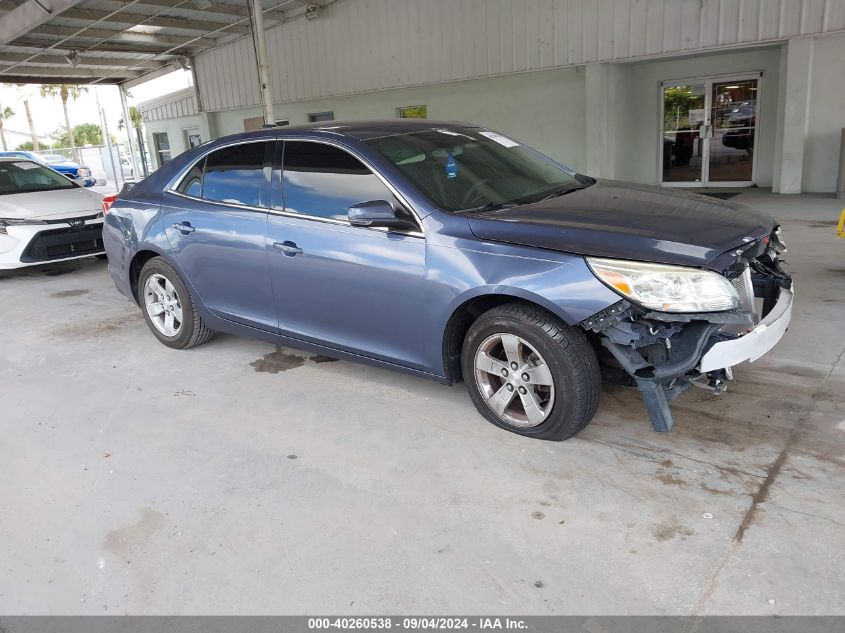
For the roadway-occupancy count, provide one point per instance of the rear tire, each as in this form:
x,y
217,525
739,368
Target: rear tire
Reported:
x,y
509,355
168,307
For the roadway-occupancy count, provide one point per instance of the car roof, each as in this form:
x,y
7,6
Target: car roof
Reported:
x,y
14,159
361,130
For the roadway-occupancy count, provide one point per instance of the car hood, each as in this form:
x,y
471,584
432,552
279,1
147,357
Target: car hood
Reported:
x,y
627,221
59,203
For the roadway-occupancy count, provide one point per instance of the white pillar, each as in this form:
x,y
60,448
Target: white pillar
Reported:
x,y
130,132
256,23
794,115
600,139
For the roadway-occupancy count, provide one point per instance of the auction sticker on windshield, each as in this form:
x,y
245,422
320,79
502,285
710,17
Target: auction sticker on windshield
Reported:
x,y
501,140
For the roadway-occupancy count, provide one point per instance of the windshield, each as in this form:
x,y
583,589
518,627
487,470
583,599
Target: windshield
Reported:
x,y
22,176
465,169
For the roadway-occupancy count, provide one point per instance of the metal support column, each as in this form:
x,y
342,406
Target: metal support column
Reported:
x,y
127,125
256,23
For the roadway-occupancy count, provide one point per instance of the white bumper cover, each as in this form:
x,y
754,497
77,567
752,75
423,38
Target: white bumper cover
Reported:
x,y
755,343
17,237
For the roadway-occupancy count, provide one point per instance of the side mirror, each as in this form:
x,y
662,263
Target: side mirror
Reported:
x,y
376,213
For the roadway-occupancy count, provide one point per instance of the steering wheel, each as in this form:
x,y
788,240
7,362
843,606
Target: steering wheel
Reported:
x,y
473,192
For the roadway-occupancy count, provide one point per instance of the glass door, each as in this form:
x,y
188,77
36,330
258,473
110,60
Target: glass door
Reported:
x,y
709,132
734,125
684,108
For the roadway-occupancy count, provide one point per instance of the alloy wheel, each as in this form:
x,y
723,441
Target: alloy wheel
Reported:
x,y
162,304
514,380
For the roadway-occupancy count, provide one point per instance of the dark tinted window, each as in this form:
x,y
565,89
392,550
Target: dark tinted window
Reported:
x,y
469,168
22,176
235,174
192,183
325,181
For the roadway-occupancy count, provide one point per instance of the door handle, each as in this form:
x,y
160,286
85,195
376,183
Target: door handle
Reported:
x,y
184,227
288,248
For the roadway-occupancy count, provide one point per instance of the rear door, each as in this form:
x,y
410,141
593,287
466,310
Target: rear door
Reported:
x,y
215,222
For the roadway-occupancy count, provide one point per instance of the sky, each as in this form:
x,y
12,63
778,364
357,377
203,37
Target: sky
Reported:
x,y
47,112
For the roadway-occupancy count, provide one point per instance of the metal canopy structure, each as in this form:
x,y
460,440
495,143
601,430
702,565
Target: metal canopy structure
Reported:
x,y
119,42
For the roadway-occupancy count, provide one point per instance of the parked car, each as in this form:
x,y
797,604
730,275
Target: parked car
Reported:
x,y
44,216
126,168
78,173
742,124
452,252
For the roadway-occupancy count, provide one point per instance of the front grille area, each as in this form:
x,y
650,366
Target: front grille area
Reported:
x,y
61,243
84,218
745,290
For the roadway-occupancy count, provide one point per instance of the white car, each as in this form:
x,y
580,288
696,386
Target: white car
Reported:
x,y
44,216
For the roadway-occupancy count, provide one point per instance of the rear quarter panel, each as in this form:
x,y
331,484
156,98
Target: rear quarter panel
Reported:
x,y
131,226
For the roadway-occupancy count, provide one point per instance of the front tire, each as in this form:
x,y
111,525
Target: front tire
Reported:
x,y
168,307
529,373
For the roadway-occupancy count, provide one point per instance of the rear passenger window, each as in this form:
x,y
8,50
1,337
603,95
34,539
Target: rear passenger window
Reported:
x,y
235,174
324,181
191,184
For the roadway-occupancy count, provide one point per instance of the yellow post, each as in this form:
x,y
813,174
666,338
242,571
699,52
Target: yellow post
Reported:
x,y
840,230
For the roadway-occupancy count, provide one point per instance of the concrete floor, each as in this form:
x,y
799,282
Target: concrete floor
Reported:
x,y
235,478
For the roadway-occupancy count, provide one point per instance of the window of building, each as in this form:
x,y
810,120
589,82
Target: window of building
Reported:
x,y
235,174
316,117
412,112
162,147
192,138
283,122
324,181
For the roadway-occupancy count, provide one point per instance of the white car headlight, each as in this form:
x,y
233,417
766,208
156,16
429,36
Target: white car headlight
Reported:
x,y
666,288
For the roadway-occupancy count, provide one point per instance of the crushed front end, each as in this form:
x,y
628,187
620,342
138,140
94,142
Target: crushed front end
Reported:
x,y
665,353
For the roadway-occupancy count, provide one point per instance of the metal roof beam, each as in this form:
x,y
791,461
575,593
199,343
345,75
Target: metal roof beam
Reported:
x,y
92,73
127,36
35,79
166,69
221,9
111,46
82,60
30,14
134,19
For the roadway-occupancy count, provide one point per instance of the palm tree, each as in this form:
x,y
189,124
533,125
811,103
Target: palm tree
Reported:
x,y
137,121
5,113
65,92
25,93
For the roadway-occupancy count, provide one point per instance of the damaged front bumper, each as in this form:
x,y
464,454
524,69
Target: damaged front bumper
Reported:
x,y
664,354
755,343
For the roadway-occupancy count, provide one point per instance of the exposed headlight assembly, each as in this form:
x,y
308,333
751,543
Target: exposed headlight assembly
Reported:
x,y
666,288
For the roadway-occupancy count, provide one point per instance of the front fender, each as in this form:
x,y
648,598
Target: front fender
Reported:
x,y
563,285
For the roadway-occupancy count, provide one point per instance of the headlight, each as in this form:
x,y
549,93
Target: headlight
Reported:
x,y
666,288
4,222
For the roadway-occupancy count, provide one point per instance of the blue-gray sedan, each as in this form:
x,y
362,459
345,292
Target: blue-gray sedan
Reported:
x,y
453,252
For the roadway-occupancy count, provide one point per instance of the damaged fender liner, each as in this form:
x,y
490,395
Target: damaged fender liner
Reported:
x,y
662,351
658,349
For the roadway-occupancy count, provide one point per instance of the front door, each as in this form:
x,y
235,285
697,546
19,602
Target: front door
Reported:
x,y
352,288
709,130
215,223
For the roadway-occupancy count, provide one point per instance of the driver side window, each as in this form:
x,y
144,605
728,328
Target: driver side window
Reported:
x,y
323,181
